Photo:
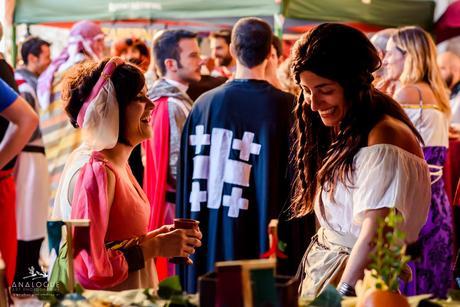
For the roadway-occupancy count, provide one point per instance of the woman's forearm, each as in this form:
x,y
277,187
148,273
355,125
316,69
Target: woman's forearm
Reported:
x,y
23,122
360,254
358,261
16,137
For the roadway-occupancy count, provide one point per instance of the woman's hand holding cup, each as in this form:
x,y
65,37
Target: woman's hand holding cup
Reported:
x,y
168,241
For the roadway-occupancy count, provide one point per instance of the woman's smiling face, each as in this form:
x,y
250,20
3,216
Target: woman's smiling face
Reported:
x,y
138,116
324,96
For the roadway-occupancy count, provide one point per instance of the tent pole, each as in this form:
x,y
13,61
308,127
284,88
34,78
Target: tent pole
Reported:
x,y
14,47
278,25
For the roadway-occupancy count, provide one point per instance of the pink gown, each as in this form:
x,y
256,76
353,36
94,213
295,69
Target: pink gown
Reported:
x,y
126,218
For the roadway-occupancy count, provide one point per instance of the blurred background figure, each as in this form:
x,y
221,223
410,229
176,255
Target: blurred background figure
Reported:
x,y
286,80
380,40
449,65
139,54
119,47
31,171
134,50
86,42
225,64
276,54
411,60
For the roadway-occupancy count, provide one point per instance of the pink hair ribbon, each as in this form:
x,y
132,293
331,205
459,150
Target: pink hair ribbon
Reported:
x,y
107,72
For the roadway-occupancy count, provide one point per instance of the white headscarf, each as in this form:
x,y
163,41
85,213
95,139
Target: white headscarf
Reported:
x,y
99,115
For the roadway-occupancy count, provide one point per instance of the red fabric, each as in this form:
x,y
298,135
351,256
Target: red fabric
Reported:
x,y
8,241
126,218
457,195
452,169
274,248
448,25
156,173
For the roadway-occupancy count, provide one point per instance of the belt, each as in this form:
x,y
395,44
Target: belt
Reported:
x,y
33,148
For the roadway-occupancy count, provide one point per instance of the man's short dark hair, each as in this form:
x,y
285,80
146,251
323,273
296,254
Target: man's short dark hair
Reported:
x,y
278,45
166,46
251,40
33,45
224,34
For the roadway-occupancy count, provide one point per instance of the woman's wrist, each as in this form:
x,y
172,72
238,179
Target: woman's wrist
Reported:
x,y
150,247
346,290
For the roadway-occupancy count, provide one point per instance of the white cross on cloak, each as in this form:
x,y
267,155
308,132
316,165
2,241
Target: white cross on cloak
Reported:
x,y
246,146
235,202
197,197
199,139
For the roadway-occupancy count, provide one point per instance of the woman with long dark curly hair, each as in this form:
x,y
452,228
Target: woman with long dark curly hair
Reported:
x,y
357,156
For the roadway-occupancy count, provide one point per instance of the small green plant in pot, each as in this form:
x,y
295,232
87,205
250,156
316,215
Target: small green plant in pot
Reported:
x,y
380,285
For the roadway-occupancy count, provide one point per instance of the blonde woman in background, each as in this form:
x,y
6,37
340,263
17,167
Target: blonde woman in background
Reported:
x,y
411,60
380,40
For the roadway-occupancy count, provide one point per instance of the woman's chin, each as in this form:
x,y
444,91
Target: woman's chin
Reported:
x,y
147,135
329,123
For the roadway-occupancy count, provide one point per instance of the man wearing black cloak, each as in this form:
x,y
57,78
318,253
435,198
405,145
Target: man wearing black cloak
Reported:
x,y
233,174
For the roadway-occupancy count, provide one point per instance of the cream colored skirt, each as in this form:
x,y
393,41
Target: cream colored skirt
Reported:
x,y
324,261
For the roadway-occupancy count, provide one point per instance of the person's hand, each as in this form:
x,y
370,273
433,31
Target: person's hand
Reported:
x,y
168,242
162,229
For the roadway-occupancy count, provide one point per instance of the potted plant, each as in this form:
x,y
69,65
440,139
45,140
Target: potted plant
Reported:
x,y
380,285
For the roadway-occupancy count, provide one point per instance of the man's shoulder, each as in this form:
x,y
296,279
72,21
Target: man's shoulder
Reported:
x,y
21,77
284,95
213,94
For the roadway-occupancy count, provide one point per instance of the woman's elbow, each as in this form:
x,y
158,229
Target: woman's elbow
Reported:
x,y
29,122
34,121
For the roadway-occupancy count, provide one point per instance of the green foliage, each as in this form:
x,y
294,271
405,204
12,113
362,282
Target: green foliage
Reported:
x,y
282,246
169,287
330,297
389,258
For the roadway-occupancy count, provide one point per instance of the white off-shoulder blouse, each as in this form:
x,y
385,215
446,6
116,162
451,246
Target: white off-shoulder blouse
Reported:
x,y
384,176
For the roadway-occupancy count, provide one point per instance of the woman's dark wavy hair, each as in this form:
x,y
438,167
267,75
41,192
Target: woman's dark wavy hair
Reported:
x,y
322,157
127,79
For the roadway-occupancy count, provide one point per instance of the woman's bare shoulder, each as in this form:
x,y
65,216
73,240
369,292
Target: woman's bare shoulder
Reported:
x,y
411,94
394,132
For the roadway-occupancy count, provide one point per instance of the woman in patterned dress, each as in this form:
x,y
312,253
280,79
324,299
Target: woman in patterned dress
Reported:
x,y
411,60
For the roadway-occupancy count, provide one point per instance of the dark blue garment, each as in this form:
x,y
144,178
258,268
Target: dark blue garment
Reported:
x,y
234,149
7,94
7,75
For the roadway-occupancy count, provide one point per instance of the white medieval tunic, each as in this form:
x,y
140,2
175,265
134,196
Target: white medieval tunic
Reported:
x,y
385,176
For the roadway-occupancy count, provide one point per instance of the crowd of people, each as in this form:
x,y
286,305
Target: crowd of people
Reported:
x,y
327,141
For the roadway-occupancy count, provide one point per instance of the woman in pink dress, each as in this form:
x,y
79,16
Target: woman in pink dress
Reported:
x,y
107,100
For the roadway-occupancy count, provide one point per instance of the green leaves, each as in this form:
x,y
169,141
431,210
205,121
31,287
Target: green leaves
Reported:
x,y
389,259
169,287
330,297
